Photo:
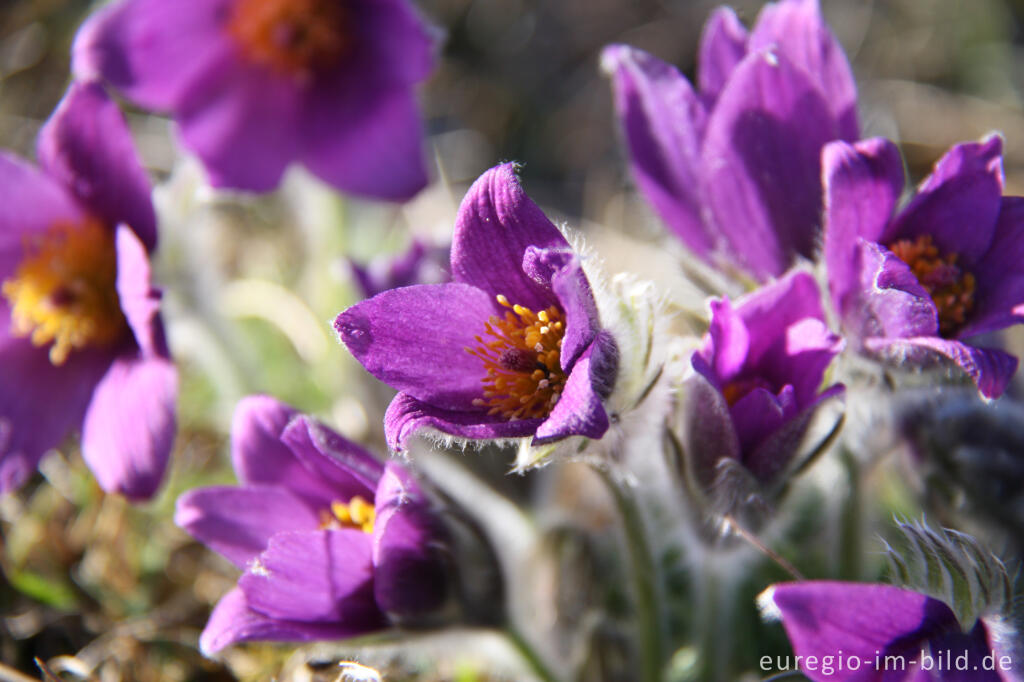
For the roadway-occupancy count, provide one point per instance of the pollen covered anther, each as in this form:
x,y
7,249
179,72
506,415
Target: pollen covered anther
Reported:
x,y
64,291
357,513
294,37
951,288
521,353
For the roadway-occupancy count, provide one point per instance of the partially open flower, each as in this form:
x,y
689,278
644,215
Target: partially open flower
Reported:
x,y
512,347
734,167
333,542
919,283
81,341
257,84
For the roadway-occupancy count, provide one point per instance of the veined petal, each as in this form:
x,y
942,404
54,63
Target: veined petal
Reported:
x,y
723,44
761,168
863,182
414,339
796,29
580,409
958,204
999,299
151,50
239,522
496,223
344,467
663,124
86,146
315,576
563,270
130,425
232,621
990,368
406,415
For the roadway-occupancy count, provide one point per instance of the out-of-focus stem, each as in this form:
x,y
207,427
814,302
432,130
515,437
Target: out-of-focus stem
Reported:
x,y
530,655
850,535
645,580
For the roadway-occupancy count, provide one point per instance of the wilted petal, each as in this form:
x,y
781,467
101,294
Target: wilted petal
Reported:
x,y
663,123
407,415
87,147
723,44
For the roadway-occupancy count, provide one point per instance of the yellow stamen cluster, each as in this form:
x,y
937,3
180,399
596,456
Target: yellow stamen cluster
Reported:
x,y
521,354
64,292
358,514
950,287
293,37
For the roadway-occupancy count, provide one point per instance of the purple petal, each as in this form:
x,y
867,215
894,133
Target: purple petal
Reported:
x,y
958,204
415,339
580,409
999,299
32,203
243,124
563,269
319,576
130,424
140,302
407,415
797,30
723,44
729,341
972,652
365,140
761,413
891,302
663,123
777,306
86,146
708,430
394,41
340,465
761,168
861,620
496,223
239,522
257,453
990,368
232,621
153,51
410,576
863,182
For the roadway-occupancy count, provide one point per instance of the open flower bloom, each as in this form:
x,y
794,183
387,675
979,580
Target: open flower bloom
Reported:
x,y
755,384
81,341
875,632
512,347
257,84
332,542
734,168
944,268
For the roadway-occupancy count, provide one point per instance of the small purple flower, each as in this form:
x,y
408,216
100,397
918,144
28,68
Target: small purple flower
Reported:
x,y
257,84
81,341
756,381
734,169
875,632
422,263
512,347
333,542
944,268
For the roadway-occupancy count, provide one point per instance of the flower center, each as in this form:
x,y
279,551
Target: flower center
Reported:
x,y
64,292
521,354
739,388
293,37
950,287
358,514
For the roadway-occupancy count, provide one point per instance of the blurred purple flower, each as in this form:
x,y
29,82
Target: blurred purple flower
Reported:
x,y
512,347
734,169
875,632
941,270
420,264
333,542
756,381
81,341
257,84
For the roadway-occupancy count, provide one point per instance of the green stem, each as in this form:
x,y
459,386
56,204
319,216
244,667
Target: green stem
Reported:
x,y
530,655
644,574
850,532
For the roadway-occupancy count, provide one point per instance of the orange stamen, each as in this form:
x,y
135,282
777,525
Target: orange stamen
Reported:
x,y
293,37
950,287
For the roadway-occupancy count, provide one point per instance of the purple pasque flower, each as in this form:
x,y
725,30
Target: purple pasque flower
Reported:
x,y
333,543
421,263
734,168
944,268
876,632
756,381
81,341
257,84
512,347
